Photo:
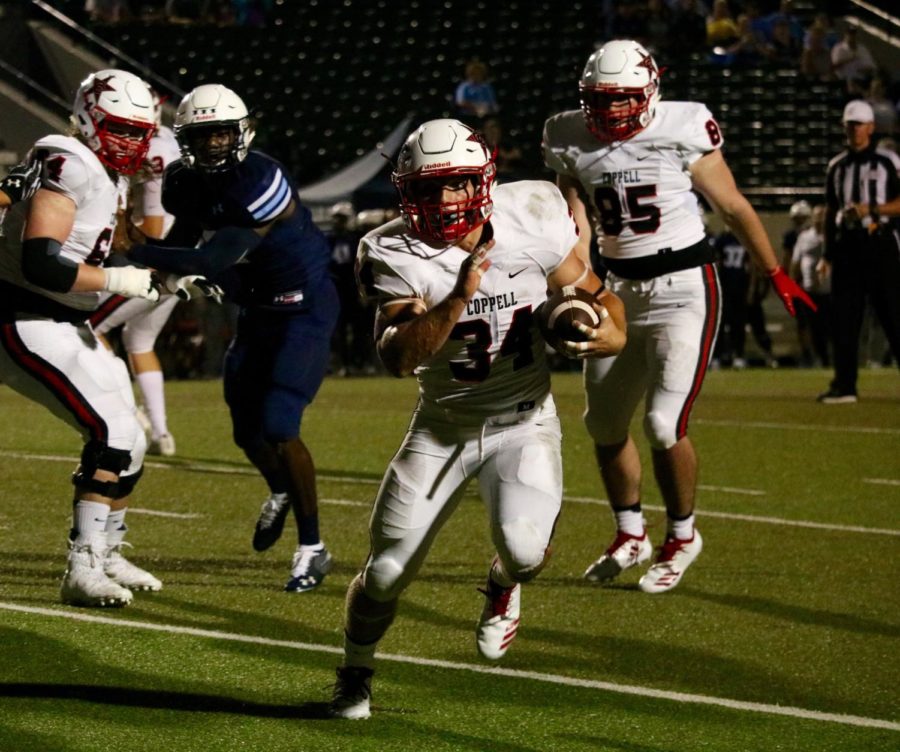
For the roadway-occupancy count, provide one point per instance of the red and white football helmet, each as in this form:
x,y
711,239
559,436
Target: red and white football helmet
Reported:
x,y
113,112
619,90
436,152
212,107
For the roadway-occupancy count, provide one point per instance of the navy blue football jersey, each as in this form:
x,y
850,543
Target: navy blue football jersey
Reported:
x,y
286,269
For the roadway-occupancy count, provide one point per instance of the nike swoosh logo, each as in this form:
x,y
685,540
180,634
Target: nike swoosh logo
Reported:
x,y
516,274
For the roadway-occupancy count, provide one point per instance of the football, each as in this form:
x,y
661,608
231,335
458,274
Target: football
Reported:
x,y
561,310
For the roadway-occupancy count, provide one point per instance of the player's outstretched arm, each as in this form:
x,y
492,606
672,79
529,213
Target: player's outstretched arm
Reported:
x,y
712,177
406,334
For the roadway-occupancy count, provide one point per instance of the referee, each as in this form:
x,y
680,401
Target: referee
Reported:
x,y
862,245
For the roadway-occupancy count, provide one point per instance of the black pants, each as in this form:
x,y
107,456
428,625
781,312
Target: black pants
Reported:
x,y
863,266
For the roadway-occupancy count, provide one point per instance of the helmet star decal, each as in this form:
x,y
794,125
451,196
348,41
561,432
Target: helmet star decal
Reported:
x,y
100,85
648,62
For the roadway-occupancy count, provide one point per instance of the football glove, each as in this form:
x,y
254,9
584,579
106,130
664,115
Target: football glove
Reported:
x,y
132,282
192,286
22,181
789,291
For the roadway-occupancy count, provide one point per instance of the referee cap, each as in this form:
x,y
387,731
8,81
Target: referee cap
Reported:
x,y
858,111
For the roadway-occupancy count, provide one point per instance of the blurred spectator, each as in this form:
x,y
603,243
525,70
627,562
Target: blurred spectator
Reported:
x,y
749,50
784,15
352,341
627,21
758,24
852,62
475,98
658,22
884,109
800,215
688,28
823,22
815,60
813,328
721,28
508,156
784,48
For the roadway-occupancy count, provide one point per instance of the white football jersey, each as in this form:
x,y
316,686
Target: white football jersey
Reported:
x,y
163,150
494,359
640,188
72,169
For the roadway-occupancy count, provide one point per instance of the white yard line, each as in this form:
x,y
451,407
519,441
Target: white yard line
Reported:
x,y
204,467
882,481
794,426
627,689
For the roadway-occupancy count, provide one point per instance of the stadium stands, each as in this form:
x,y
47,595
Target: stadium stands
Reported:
x,y
327,80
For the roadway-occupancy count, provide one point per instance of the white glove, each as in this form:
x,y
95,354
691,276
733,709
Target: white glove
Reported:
x,y
132,282
192,286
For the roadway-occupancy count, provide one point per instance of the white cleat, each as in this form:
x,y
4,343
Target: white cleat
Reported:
x,y
625,552
352,693
162,446
126,574
675,556
86,584
499,620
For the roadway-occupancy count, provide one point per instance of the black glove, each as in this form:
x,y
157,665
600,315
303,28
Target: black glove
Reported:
x,y
22,181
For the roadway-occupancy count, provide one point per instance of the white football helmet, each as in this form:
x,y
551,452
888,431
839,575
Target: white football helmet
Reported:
x,y
434,153
619,90
801,210
212,107
113,112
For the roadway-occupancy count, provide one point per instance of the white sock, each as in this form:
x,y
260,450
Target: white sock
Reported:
x,y
630,521
116,527
89,519
681,529
153,390
317,547
358,655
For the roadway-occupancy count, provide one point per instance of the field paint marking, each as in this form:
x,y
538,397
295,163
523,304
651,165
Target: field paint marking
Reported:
x,y
159,513
793,426
882,481
574,499
628,689
751,518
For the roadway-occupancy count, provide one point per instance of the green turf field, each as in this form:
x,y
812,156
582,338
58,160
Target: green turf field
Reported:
x,y
783,635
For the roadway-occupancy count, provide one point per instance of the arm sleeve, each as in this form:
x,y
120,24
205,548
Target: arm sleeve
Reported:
x,y
224,249
43,265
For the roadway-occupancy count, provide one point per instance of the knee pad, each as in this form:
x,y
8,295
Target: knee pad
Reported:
x,y
382,578
659,430
523,549
97,455
128,482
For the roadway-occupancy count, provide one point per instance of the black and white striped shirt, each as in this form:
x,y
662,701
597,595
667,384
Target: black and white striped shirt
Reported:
x,y
870,177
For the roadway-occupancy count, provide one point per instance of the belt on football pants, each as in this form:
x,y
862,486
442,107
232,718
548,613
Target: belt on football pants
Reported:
x,y
664,261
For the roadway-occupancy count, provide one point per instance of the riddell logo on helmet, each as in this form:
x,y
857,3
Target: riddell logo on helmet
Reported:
x,y
436,166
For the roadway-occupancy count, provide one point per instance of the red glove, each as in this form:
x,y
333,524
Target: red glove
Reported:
x,y
788,291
